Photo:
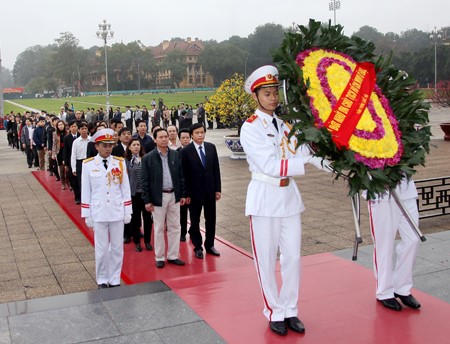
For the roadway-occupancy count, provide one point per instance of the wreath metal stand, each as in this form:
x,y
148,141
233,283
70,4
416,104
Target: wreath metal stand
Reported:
x,y
356,207
357,217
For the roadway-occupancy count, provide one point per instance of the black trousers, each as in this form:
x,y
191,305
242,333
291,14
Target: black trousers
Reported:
x,y
183,219
30,155
74,184
209,210
36,157
139,213
79,171
53,166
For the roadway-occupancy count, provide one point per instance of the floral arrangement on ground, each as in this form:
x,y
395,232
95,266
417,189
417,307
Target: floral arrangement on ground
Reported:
x,y
356,109
230,104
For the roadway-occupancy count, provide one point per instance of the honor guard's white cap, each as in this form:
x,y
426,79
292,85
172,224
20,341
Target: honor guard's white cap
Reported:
x,y
265,76
104,135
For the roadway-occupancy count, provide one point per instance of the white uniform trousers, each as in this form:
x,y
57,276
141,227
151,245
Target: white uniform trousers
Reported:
x,y
269,233
169,212
385,219
108,239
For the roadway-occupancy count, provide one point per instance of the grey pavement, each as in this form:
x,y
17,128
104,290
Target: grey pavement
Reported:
x,y
47,277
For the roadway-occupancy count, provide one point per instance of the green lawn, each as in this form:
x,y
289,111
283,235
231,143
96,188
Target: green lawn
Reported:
x,y
54,105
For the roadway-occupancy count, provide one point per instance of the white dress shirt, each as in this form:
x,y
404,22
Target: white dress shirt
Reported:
x,y
198,150
79,150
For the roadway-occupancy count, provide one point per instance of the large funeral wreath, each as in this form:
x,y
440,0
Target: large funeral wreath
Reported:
x,y
374,137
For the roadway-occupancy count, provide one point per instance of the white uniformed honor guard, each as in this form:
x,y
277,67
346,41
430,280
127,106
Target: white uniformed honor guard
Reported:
x,y
386,219
273,201
106,206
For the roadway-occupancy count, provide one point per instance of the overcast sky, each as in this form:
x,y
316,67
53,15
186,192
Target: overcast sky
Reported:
x,y
31,22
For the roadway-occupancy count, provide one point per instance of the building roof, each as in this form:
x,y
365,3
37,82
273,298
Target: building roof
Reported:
x,y
189,47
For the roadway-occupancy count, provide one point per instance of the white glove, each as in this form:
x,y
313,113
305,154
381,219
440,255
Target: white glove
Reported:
x,y
89,222
321,164
127,219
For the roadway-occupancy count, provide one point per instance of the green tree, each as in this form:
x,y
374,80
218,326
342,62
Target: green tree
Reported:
x,y
142,64
368,33
262,43
175,61
119,63
66,58
222,60
33,62
41,84
413,40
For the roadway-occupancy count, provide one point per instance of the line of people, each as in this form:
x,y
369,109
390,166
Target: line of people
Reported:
x,y
126,181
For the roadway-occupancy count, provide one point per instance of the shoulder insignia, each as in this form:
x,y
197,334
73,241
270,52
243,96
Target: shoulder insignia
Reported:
x,y
88,159
252,118
118,158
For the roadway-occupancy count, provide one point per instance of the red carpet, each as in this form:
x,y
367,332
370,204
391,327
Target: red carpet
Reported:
x,y
337,302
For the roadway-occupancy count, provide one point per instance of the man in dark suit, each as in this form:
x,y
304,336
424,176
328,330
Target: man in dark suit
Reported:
x,y
124,138
201,114
67,153
203,188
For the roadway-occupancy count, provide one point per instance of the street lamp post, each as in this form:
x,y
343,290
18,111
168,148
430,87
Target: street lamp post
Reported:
x,y
104,34
334,5
435,37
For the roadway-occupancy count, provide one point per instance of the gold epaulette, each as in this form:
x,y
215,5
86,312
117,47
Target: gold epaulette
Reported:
x,y
252,118
118,158
88,159
287,124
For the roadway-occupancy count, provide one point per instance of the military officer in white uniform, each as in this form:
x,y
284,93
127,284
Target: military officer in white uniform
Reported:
x,y
386,219
106,206
273,201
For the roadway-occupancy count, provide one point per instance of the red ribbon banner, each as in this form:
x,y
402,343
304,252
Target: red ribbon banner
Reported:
x,y
349,108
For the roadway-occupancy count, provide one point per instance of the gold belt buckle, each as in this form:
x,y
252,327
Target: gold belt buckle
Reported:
x,y
284,182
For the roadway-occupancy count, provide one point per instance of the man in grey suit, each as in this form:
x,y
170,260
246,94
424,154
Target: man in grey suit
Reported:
x,y
25,140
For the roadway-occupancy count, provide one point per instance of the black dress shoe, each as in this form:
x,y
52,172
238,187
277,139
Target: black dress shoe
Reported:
x,y
114,285
148,247
278,327
138,248
183,238
159,264
178,262
198,254
409,301
391,304
126,240
295,324
102,286
213,251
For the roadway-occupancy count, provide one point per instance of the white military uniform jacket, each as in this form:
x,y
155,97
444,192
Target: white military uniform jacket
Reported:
x,y
270,153
105,194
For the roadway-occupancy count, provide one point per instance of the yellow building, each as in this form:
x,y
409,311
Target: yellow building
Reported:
x,y
195,76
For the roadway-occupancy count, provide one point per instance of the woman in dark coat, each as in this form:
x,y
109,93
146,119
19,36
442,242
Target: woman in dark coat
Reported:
x,y
133,156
